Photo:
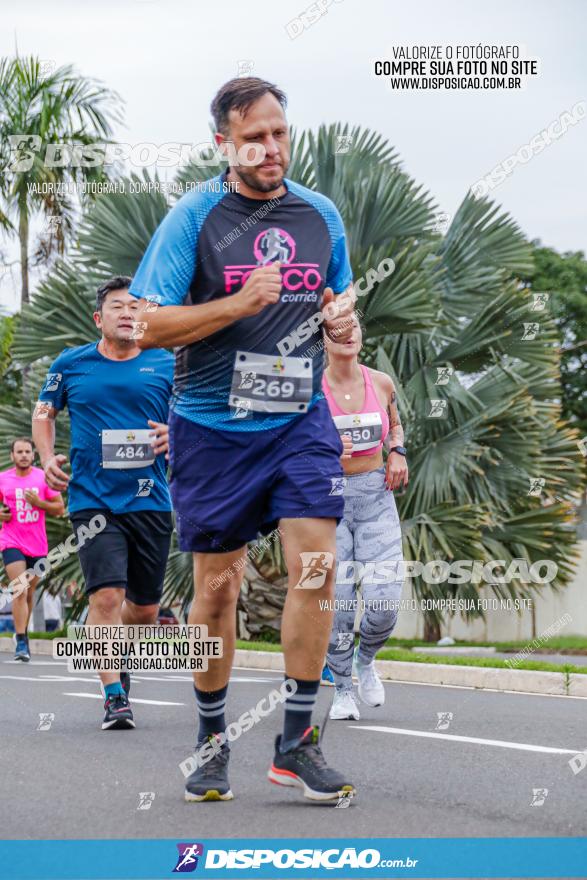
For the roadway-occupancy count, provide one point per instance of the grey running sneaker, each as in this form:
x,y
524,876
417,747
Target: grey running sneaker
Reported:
x,y
209,781
303,766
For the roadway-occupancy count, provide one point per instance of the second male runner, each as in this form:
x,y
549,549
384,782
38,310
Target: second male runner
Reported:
x,y
117,397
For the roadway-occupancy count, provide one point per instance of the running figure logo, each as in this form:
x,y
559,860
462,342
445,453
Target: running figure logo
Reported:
x,y
145,487
146,798
274,244
53,380
444,374
338,484
539,795
539,301
46,719
187,860
344,641
530,331
247,379
444,719
314,568
438,408
536,486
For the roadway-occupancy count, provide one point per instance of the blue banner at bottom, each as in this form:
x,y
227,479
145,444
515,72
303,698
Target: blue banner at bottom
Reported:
x,y
361,858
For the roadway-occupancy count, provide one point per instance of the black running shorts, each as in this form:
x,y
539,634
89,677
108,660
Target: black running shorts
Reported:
x,y
130,552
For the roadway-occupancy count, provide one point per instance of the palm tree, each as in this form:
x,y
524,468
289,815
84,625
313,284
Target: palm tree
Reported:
x,y
38,109
452,311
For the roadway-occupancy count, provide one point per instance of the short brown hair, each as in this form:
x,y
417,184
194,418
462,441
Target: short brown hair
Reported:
x,y
238,94
22,440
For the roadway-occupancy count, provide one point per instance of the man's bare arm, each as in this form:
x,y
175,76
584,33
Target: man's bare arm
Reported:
x,y
44,430
44,439
170,326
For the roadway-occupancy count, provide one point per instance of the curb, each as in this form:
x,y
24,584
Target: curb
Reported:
x,y
516,680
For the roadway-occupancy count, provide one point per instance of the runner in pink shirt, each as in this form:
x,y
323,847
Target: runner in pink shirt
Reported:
x,y
26,499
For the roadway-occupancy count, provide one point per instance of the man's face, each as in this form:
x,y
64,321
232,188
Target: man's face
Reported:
x,y
119,312
265,126
22,455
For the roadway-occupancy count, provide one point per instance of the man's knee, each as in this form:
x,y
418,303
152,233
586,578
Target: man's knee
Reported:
x,y
142,614
219,596
107,602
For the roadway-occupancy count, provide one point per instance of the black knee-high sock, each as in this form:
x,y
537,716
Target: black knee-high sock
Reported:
x,y
211,711
298,712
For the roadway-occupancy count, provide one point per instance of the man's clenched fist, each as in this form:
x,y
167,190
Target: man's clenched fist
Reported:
x,y
261,289
336,312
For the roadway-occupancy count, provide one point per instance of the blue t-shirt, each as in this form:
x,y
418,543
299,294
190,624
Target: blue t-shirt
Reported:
x,y
116,397
205,249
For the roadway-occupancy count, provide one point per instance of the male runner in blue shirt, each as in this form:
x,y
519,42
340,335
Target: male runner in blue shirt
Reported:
x,y
252,443
118,399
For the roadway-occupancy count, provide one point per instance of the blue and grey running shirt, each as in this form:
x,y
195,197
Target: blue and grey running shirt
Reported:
x,y
263,370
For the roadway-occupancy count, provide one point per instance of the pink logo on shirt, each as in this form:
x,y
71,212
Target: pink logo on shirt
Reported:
x,y
276,245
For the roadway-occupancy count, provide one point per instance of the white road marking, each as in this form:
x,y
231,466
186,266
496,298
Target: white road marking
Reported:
x,y
525,747
262,680
74,677
45,679
70,678
134,700
19,678
36,662
174,678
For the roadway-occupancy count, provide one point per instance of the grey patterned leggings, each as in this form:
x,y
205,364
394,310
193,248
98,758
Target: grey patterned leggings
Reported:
x,y
369,552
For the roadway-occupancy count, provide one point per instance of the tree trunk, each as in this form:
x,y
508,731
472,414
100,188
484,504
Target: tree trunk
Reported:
x,y
431,629
260,604
23,234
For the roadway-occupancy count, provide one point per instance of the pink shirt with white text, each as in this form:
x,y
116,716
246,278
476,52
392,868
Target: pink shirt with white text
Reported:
x,y
26,528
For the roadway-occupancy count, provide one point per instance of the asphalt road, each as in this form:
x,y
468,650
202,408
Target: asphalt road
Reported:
x,y
413,780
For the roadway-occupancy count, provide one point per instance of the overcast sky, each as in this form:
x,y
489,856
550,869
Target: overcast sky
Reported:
x,y
166,58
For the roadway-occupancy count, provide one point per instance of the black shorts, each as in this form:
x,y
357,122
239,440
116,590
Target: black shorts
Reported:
x,y
130,552
13,554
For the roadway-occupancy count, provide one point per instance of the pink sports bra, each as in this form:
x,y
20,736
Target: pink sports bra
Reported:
x,y
367,428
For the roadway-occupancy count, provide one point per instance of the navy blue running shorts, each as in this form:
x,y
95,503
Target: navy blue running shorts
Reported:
x,y
13,554
227,486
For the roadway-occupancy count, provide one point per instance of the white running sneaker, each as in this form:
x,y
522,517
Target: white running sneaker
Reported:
x,y
344,707
371,690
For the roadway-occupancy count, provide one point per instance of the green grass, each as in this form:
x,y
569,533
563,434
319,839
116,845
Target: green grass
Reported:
x,y
486,662
272,647
411,657
58,634
558,644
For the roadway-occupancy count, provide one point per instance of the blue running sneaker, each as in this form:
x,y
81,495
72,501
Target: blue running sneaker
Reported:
x,y
327,677
22,650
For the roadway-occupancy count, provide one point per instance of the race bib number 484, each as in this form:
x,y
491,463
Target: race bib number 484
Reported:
x,y
127,448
